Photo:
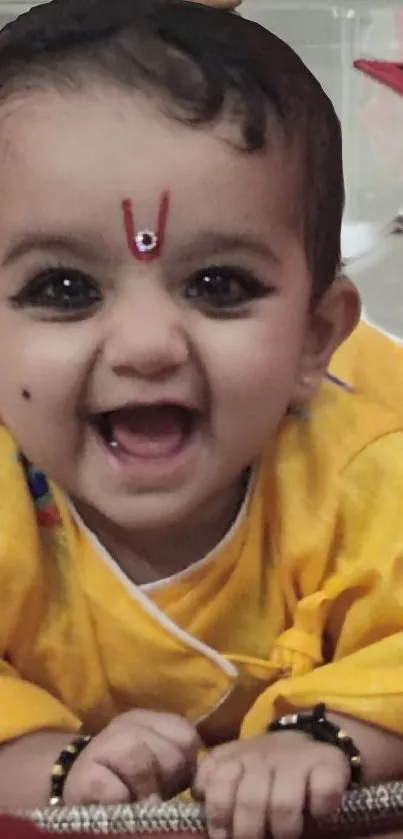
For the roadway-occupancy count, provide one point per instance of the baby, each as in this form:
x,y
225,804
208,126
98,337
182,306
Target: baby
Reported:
x,y
200,515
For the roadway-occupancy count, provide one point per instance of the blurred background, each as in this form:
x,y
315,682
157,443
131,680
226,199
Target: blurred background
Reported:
x,y
329,36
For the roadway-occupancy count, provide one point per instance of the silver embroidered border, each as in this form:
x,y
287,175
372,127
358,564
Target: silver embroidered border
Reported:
x,y
367,807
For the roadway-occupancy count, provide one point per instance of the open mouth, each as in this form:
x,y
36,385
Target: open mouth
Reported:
x,y
147,432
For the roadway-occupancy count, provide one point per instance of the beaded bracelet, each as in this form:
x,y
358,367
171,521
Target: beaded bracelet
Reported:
x,y
316,724
62,768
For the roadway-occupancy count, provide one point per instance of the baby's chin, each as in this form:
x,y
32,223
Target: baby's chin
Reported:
x,y
138,513
188,521
142,511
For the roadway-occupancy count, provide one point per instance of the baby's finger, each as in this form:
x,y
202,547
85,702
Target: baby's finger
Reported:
x,y
200,782
326,786
99,785
220,755
177,731
287,804
151,766
138,769
176,767
220,797
252,804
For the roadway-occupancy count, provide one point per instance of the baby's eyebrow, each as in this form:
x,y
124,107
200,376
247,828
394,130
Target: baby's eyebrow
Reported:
x,y
208,243
76,245
219,243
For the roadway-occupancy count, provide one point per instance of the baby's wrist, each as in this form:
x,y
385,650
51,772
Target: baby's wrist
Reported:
x,y
316,725
61,768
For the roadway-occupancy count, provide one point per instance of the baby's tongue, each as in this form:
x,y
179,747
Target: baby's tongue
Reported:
x,y
148,431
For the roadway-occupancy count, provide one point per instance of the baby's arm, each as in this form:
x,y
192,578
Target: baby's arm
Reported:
x,y
381,751
25,767
34,728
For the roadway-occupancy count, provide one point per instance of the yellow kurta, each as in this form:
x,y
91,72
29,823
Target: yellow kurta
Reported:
x,y
301,602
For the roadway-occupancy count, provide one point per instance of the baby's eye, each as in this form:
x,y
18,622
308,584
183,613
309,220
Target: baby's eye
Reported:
x,y
63,290
224,287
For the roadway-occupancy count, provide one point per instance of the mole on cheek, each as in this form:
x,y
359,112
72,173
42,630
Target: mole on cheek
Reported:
x,y
26,394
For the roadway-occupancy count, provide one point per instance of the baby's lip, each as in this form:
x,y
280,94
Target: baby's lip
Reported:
x,y
135,404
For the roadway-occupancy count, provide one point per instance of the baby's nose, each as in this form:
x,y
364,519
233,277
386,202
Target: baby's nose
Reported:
x,y
146,336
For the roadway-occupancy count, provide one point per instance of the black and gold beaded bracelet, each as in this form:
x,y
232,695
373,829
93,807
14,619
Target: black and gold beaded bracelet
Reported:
x,y
62,768
316,724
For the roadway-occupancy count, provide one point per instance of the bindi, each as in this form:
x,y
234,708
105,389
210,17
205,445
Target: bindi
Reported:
x,y
145,244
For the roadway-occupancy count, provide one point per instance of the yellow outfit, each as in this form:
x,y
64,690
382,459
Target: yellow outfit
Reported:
x,y
301,602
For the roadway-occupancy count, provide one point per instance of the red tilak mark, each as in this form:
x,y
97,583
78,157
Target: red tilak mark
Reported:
x,y
132,235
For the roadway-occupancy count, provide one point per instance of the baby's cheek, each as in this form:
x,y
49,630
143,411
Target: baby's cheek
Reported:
x,y
39,387
56,363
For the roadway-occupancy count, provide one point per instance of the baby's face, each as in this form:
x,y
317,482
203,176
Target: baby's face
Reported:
x,y
154,303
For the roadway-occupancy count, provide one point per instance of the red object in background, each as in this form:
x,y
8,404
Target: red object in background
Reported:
x,y
389,73
12,828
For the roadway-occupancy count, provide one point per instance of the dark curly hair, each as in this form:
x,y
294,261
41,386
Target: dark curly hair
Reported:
x,y
206,63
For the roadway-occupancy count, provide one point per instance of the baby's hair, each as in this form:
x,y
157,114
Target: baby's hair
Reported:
x,y
202,64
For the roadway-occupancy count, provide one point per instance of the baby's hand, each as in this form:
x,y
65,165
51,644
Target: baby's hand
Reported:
x,y
268,783
138,755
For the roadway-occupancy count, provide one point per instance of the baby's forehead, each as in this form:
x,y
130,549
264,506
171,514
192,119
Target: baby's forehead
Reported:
x,y
74,158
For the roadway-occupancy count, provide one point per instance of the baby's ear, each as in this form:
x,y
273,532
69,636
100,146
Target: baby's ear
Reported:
x,y
332,319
